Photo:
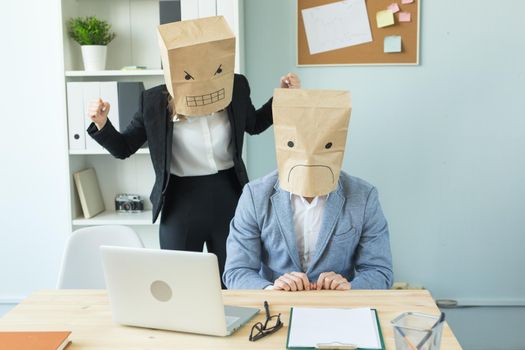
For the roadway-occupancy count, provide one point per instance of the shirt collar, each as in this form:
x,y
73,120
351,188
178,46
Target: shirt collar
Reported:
x,y
314,202
182,118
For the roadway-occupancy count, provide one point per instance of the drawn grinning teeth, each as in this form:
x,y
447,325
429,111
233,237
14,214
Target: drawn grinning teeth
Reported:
x,y
203,100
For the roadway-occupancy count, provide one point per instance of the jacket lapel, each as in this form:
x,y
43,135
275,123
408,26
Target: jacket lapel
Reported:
x,y
283,211
332,211
168,131
231,117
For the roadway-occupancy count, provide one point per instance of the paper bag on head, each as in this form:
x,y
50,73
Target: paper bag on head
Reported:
x,y
198,58
310,129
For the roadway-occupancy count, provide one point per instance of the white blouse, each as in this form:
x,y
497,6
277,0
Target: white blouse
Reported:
x,y
202,145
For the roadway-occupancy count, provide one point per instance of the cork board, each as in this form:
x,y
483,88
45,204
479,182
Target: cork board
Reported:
x,y
368,53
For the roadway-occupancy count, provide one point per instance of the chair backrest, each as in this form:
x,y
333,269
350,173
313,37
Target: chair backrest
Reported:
x,y
82,263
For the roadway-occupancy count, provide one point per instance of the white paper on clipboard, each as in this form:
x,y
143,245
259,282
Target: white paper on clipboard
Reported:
x,y
337,25
311,326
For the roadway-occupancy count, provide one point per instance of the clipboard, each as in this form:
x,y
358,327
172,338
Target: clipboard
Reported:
x,y
335,347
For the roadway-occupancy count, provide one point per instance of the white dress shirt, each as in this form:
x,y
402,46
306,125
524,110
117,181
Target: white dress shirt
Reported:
x,y
307,219
201,145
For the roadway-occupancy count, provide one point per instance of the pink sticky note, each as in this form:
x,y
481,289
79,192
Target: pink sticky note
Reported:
x,y
404,16
393,8
407,1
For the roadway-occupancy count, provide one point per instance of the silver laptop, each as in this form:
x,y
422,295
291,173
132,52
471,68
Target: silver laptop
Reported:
x,y
169,289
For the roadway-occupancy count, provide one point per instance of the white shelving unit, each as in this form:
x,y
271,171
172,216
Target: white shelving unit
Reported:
x,y
115,73
134,22
114,218
82,152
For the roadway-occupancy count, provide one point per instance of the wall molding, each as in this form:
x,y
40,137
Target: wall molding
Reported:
x,y
9,300
486,302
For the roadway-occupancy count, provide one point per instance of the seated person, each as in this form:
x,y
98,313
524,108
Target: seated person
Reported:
x,y
309,225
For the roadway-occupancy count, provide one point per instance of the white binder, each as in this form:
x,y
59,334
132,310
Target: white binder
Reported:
x,y
91,93
75,116
81,94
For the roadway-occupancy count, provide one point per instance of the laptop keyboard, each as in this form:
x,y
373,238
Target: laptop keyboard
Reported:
x,y
231,320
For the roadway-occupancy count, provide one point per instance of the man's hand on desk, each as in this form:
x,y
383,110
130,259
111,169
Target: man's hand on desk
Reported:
x,y
298,281
332,281
292,282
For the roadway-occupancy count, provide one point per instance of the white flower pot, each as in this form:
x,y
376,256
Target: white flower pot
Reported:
x,y
94,57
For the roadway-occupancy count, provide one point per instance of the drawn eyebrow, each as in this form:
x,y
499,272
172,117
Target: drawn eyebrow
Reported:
x,y
189,75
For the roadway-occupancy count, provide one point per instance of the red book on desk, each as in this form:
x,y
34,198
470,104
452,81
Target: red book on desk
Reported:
x,y
34,340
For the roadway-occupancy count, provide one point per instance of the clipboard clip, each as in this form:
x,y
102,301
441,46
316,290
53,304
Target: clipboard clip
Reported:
x,y
336,346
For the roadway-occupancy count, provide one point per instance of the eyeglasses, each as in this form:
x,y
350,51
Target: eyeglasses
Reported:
x,y
271,325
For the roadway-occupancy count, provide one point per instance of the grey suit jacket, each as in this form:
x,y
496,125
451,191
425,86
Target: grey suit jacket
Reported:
x,y
353,240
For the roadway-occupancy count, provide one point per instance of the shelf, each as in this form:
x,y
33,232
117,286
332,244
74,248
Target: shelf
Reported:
x,y
113,218
115,73
101,152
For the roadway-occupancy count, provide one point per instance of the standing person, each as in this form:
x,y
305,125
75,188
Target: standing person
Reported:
x,y
194,126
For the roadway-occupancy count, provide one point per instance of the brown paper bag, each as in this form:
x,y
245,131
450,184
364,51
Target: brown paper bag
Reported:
x,y
310,136
198,58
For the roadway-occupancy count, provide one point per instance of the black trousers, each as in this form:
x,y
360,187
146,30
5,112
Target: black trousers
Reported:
x,y
198,210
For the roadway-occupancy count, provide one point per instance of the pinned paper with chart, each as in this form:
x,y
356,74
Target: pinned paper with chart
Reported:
x,y
337,25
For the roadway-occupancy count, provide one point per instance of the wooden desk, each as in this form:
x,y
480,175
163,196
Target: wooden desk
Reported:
x,y
87,315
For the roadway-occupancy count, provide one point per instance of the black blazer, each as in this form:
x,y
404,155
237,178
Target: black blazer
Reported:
x,y
152,123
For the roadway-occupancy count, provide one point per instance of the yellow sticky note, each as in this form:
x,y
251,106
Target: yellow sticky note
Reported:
x,y
384,18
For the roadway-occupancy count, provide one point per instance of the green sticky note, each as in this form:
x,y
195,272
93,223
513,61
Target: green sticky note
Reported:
x,y
392,44
384,18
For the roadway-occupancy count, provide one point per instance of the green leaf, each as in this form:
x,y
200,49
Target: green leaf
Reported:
x,y
90,31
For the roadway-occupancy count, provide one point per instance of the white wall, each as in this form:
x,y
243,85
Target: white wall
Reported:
x,y
443,142
33,148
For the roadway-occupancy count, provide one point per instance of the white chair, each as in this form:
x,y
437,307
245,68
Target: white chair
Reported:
x,y
82,263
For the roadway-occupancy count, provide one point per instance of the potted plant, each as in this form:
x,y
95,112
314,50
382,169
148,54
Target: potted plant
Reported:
x,y
93,35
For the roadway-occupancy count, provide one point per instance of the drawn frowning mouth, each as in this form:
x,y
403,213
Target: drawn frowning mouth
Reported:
x,y
311,166
203,100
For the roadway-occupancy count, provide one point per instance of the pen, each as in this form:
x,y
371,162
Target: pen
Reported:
x,y
267,309
410,344
429,333
440,319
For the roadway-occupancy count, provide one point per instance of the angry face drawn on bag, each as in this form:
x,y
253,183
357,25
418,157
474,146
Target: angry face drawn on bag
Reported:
x,y
198,58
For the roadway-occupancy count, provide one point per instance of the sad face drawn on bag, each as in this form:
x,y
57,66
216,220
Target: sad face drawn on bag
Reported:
x,y
310,129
